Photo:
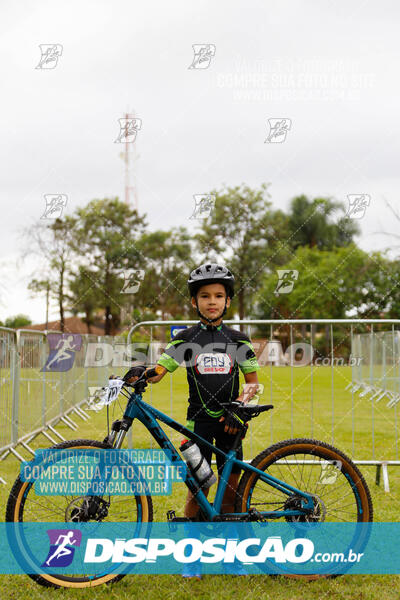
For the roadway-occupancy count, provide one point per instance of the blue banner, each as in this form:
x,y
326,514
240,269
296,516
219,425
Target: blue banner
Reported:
x,y
175,329
154,548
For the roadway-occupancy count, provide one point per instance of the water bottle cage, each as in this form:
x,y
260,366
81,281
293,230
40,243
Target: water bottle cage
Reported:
x,y
197,467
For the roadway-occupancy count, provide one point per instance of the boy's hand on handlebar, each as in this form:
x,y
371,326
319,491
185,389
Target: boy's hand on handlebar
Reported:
x,y
156,373
228,427
232,421
134,373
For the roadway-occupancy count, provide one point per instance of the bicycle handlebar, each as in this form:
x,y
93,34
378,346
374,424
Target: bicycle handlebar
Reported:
x,y
153,372
146,374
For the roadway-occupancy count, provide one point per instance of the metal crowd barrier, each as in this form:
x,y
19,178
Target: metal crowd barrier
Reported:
x,y
378,374
324,400
32,401
369,434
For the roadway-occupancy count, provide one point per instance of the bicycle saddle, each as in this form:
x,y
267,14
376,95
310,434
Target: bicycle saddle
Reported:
x,y
249,410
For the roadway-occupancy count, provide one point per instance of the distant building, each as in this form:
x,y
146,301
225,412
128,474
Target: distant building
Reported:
x,y
71,325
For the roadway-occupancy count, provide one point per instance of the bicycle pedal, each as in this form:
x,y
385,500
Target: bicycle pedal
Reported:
x,y
170,515
172,519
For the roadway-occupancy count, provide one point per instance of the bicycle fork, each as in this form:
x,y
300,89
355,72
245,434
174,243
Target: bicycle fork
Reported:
x,y
119,429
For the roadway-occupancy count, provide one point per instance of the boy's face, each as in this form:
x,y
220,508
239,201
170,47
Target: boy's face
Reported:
x,y
211,300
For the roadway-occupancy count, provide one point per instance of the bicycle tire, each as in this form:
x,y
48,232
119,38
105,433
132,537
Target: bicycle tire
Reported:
x,y
292,448
15,512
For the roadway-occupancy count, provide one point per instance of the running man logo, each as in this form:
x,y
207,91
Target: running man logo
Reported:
x,y
252,392
128,129
203,54
55,204
330,471
203,205
278,129
62,547
62,351
132,280
357,205
287,278
50,54
96,397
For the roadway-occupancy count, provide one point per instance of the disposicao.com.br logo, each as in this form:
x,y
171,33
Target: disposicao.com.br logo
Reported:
x,y
188,550
153,547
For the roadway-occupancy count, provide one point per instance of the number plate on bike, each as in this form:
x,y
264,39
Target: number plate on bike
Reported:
x,y
106,395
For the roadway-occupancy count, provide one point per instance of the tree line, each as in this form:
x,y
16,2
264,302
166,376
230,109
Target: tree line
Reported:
x,y
87,256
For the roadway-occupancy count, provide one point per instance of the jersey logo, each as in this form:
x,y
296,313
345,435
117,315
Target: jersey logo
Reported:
x,y
209,363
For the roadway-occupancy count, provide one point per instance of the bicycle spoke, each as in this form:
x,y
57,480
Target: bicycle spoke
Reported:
x,y
282,476
339,487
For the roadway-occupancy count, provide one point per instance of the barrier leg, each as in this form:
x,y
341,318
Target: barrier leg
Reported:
x,y
13,451
66,416
25,445
84,417
56,433
49,437
385,477
6,453
378,474
69,423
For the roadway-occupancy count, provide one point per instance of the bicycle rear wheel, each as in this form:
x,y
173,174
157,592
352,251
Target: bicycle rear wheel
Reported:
x,y
339,490
25,506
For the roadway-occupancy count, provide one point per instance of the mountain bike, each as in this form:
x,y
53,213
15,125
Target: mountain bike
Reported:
x,y
295,481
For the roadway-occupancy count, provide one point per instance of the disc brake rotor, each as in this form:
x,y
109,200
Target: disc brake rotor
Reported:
x,y
295,503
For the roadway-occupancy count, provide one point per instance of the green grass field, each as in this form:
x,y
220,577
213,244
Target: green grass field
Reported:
x,y
312,416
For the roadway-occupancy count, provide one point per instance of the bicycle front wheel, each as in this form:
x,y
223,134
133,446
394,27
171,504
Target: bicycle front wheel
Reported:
x,y
25,506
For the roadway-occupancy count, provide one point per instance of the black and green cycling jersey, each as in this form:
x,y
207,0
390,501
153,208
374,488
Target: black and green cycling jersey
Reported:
x,y
212,357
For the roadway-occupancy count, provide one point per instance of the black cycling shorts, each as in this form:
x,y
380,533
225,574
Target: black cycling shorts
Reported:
x,y
214,430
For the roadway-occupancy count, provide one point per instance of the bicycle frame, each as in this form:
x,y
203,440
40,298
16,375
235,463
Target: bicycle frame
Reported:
x,y
148,415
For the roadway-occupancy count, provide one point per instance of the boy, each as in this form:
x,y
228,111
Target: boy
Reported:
x,y
212,353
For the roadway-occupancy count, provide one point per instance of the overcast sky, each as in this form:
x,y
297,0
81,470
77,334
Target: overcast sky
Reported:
x,y
330,67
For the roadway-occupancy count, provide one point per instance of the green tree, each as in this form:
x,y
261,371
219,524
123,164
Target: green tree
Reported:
x,y
330,284
381,288
18,321
311,224
84,296
53,244
164,258
248,235
106,236
394,290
